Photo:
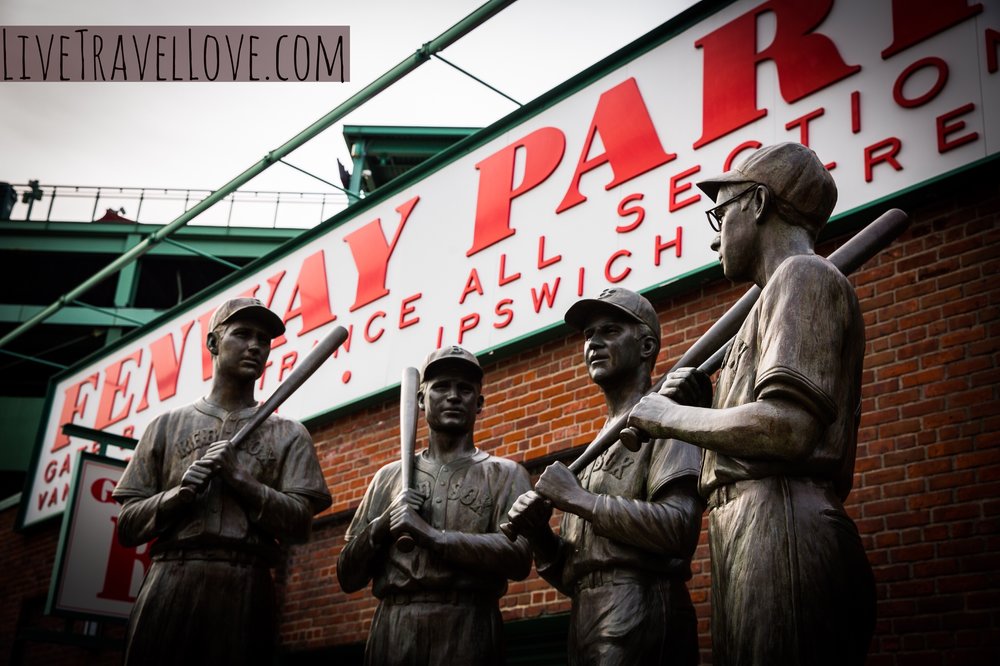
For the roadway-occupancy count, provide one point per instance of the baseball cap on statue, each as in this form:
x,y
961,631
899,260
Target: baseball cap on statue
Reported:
x,y
248,308
451,357
615,301
792,172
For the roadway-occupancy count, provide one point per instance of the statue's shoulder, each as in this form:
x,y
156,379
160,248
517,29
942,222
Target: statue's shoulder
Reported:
x,y
807,270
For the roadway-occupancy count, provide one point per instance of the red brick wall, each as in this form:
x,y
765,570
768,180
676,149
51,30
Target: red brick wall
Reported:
x,y
927,482
25,570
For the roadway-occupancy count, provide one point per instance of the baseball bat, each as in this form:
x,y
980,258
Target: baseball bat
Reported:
x,y
408,411
867,243
295,379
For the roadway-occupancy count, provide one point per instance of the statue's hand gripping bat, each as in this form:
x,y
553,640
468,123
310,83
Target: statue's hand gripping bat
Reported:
x,y
295,379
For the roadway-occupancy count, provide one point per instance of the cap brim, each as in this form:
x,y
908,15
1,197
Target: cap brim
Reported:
x,y
271,322
582,311
712,186
439,365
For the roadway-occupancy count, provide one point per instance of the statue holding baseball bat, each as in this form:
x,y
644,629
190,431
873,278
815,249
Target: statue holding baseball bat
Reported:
x,y
427,531
632,520
790,580
219,484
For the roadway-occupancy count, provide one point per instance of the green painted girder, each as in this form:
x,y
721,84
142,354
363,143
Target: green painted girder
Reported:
x,y
69,237
72,315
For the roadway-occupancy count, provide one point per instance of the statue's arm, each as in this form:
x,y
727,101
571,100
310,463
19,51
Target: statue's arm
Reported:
x,y
488,553
142,519
668,524
491,552
147,510
367,540
777,427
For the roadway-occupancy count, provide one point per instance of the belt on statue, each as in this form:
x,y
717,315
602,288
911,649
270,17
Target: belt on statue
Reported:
x,y
604,577
452,597
235,557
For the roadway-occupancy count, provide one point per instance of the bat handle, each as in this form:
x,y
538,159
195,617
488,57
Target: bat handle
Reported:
x,y
632,438
405,543
509,531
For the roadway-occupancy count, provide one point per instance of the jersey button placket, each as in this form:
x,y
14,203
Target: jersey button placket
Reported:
x,y
440,495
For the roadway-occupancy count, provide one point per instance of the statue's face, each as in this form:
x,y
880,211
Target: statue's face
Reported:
x,y
241,348
612,347
451,400
736,241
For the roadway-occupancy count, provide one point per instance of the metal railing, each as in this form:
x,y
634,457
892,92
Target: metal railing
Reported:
x,y
155,205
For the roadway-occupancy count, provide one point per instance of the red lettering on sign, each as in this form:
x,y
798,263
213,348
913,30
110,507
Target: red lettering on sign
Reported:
x,y
503,278
405,309
624,210
101,489
673,204
855,111
467,323
579,280
913,21
165,364
992,38
541,151
372,253
73,406
544,261
946,127
731,157
51,469
273,282
472,285
872,156
806,61
369,337
287,363
802,122
312,292
121,567
607,267
503,310
545,295
115,385
911,103
661,246
631,144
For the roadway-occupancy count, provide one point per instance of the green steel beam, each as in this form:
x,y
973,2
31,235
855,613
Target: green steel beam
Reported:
x,y
77,316
404,131
418,58
66,238
114,313
128,282
34,359
359,152
193,249
478,80
105,439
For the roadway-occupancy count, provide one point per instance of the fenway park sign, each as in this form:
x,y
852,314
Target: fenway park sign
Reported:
x,y
590,186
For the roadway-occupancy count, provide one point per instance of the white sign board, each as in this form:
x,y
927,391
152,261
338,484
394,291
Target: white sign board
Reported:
x,y
592,185
94,575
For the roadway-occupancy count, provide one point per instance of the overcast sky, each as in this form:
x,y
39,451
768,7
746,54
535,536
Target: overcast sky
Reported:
x,y
201,135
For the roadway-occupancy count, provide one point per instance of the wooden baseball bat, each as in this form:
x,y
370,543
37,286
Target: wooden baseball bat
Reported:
x,y
409,410
295,379
867,243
